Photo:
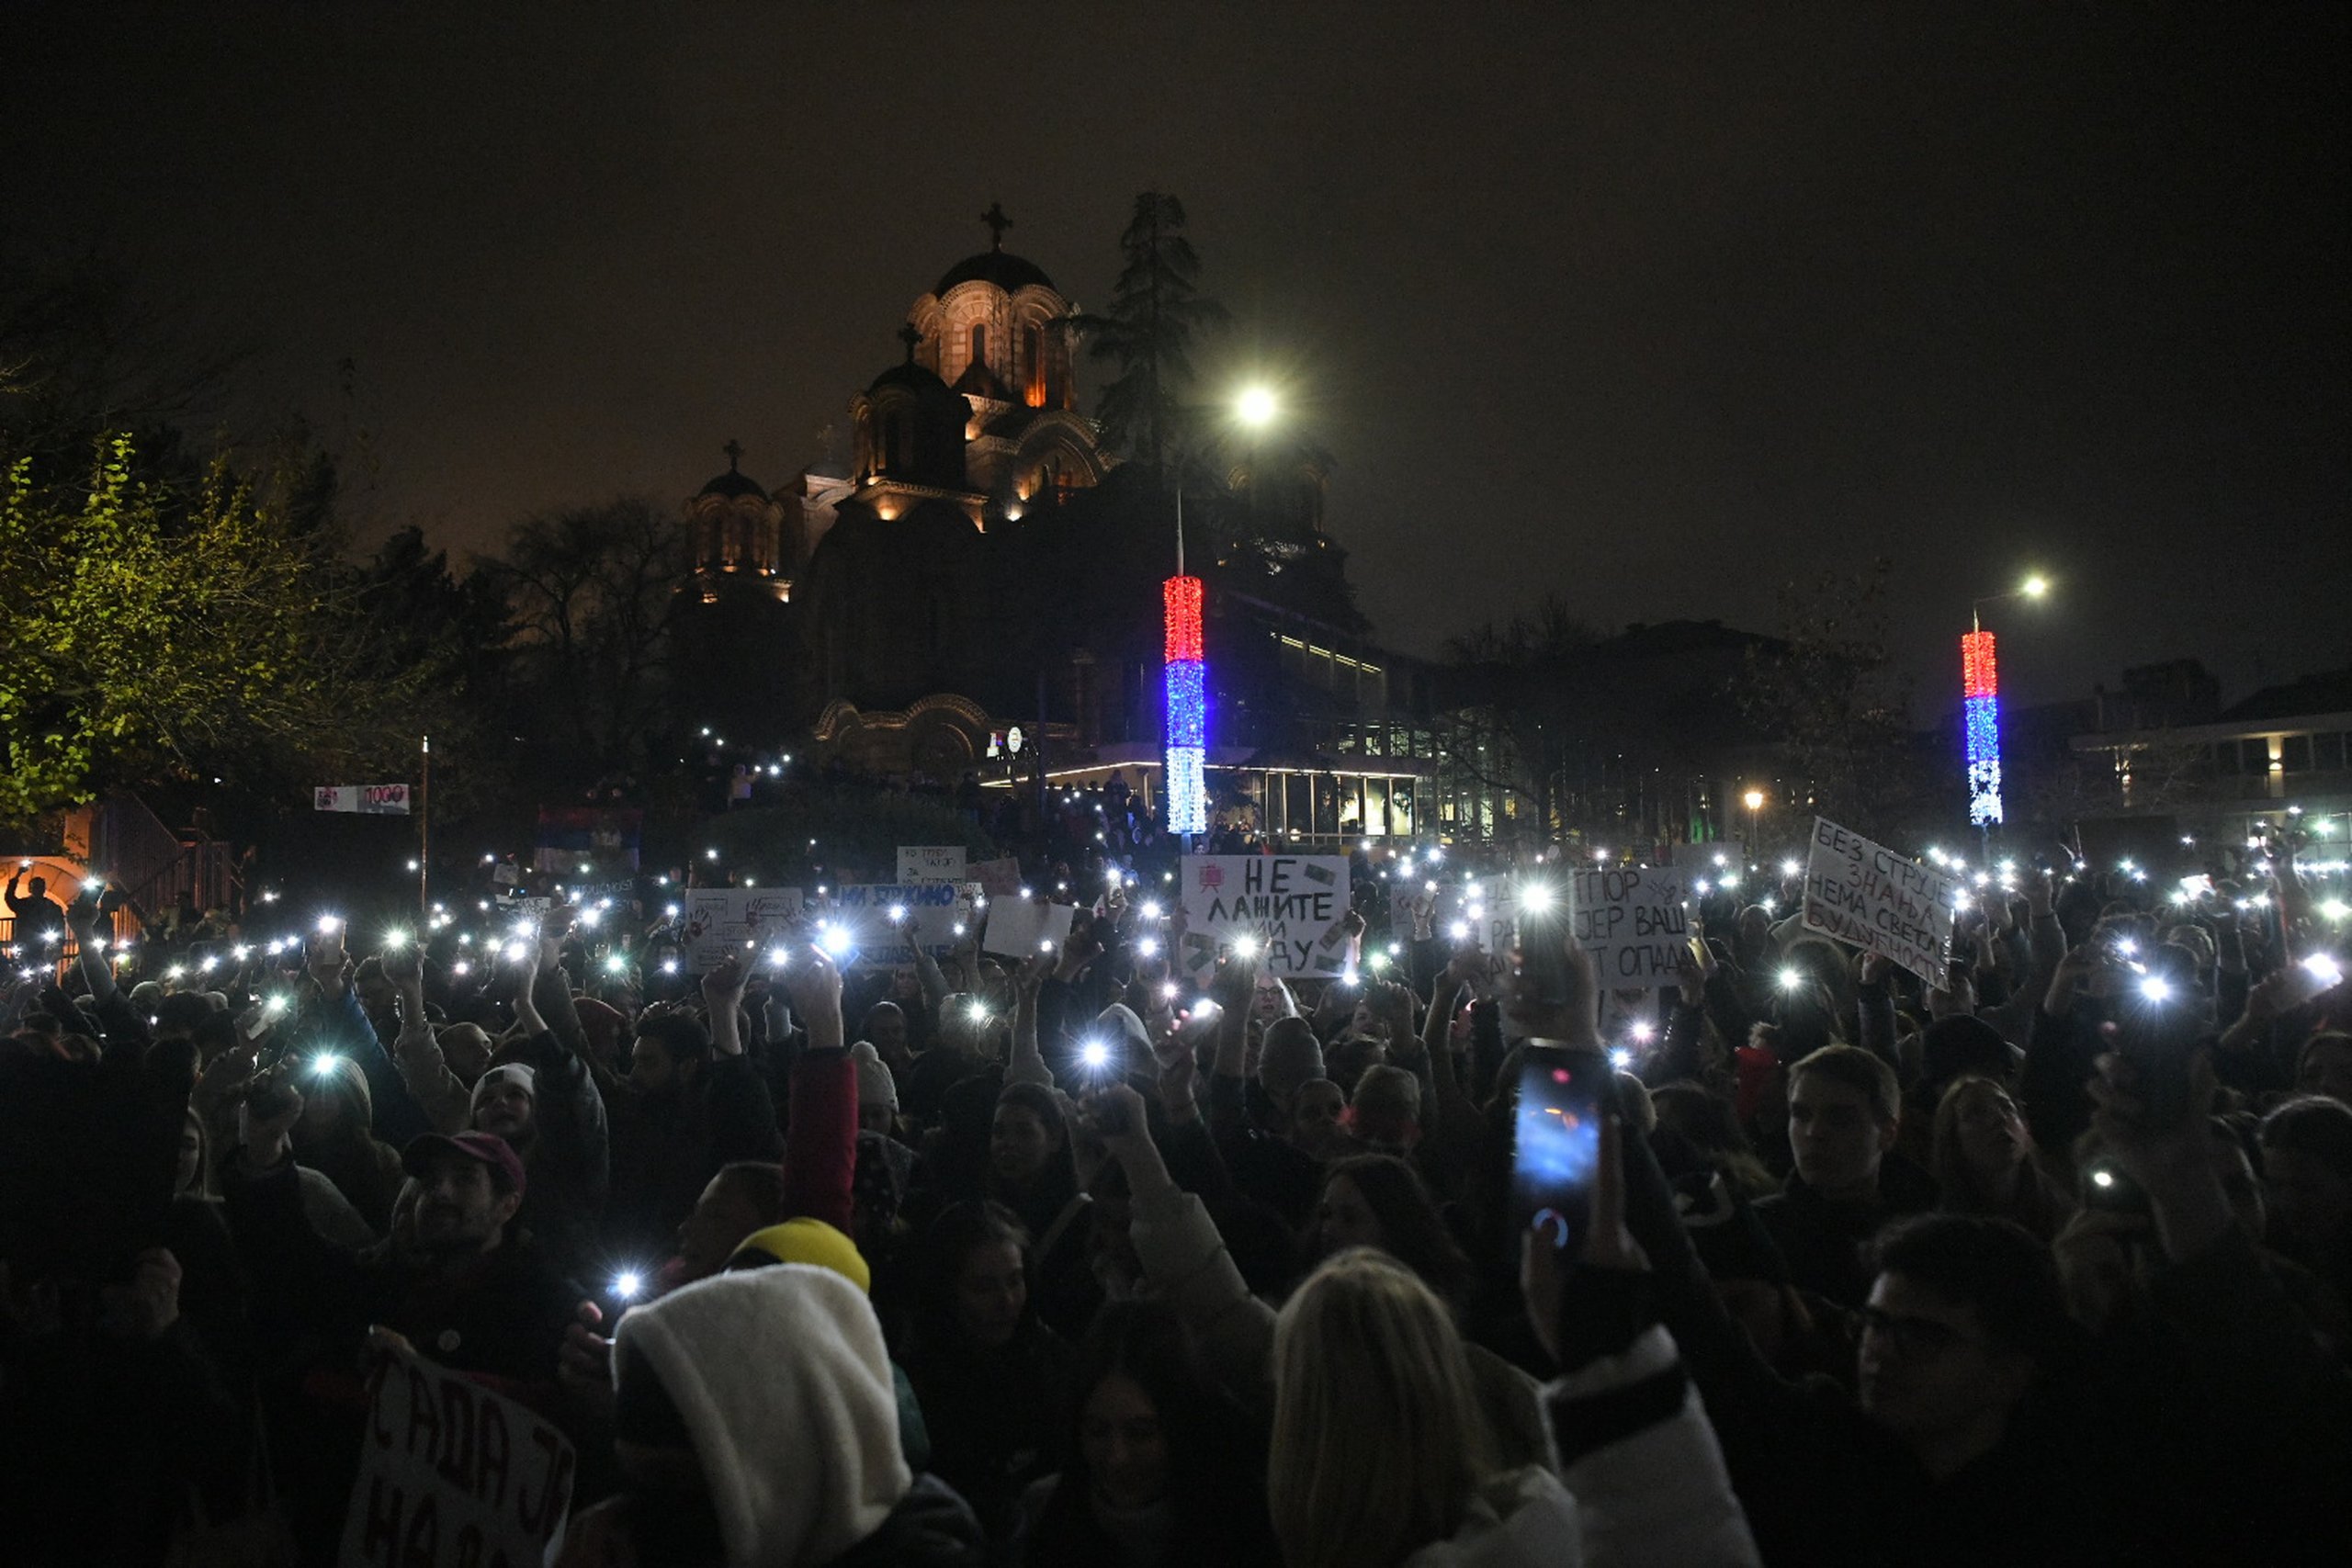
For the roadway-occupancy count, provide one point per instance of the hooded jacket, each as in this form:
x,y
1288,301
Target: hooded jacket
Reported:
x,y
784,1384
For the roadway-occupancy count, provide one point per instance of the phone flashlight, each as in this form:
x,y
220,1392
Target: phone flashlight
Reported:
x,y
1094,1055
325,1064
614,964
1790,979
2156,988
95,883
1148,948
1169,991
1620,1058
329,925
2329,974
627,1285
668,966
897,913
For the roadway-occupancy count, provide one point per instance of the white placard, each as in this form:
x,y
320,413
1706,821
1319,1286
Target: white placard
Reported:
x,y
1019,928
1291,906
1864,892
739,920
452,1475
932,863
1634,922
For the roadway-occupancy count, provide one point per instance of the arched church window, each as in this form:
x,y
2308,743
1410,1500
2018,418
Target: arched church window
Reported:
x,y
979,343
891,455
1033,349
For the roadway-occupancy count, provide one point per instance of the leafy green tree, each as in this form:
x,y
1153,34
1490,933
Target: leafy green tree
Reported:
x,y
1156,312
156,631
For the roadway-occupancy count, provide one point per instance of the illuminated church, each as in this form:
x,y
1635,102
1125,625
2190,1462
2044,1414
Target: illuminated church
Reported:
x,y
975,562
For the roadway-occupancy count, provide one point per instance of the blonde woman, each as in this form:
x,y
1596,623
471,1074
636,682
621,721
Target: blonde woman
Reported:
x,y
1380,1456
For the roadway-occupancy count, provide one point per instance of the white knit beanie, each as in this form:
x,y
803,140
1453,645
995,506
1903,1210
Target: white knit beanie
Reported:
x,y
875,1084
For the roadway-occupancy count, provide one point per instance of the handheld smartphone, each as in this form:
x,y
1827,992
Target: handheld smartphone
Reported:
x,y
1542,931
1556,1143
2155,1031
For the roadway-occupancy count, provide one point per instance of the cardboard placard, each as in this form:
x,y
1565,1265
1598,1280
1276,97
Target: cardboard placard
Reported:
x,y
932,863
453,1474
999,878
1883,902
1634,921
1290,905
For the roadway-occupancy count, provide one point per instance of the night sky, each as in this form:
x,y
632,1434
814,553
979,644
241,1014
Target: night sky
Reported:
x,y
1655,304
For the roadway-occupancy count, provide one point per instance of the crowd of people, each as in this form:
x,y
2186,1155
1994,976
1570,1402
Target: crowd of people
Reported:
x,y
1093,1257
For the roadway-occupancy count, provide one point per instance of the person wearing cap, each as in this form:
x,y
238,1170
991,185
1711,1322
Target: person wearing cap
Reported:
x,y
540,1097
462,1285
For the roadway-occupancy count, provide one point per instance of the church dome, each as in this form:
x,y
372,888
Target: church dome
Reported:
x,y
917,377
1002,268
731,484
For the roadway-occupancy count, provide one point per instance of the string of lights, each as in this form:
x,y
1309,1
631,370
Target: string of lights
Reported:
x,y
1186,686
1981,694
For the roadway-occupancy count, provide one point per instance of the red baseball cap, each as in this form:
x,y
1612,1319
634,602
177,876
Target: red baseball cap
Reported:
x,y
488,1149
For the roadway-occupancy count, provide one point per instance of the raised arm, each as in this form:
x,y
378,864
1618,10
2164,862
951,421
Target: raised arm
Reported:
x,y
417,1053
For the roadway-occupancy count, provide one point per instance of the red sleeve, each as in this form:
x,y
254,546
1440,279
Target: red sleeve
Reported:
x,y
820,1140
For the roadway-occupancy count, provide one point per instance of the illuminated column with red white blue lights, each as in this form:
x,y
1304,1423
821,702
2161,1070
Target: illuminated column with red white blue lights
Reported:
x,y
1981,708
1188,708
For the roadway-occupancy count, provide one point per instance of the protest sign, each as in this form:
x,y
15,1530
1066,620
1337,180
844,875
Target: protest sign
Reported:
x,y
452,1474
1631,919
931,863
863,909
739,920
1021,928
1881,902
998,878
1291,906
369,800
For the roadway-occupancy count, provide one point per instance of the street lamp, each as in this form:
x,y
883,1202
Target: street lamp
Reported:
x,y
1754,801
1981,706
1256,407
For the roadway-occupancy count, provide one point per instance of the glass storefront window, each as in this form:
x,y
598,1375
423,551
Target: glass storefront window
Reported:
x,y
1376,805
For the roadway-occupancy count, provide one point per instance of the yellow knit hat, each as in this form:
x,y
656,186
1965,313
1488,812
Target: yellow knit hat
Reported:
x,y
807,1241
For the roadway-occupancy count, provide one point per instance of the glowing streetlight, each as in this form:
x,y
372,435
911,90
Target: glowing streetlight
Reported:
x,y
1256,407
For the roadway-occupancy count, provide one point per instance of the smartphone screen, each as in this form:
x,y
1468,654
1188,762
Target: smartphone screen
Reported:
x,y
1555,1142
1542,929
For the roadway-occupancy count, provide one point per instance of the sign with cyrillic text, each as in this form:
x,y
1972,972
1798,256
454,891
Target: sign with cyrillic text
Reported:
x,y
369,800
452,1475
1883,902
940,913
932,863
1288,908
1634,921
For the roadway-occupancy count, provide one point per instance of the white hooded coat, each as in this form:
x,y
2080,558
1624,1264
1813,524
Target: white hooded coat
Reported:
x,y
783,1380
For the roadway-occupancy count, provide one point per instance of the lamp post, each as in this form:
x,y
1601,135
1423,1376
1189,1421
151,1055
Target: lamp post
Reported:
x,y
1754,801
1981,708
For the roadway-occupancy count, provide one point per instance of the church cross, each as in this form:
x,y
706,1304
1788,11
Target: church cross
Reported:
x,y
734,450
908,336
997,223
